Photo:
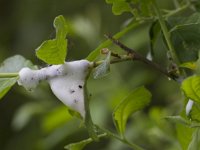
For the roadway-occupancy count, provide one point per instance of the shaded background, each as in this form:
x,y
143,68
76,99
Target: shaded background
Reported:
x,y
38,121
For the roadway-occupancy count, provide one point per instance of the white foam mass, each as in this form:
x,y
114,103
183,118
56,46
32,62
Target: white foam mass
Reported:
x,y
189,106
66,81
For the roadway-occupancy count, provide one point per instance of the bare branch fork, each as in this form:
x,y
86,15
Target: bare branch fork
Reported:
x,y
137,56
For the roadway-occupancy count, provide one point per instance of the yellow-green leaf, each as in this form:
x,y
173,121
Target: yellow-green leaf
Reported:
x,y
191,88
189,65
5,85
55,51
195,142
79,145
136,100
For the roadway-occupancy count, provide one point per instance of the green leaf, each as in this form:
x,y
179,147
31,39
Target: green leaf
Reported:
x,y
61,27
5,85
79,145
185,35
195,112
195,143
184,135
190,65
191,88
103,69
137,100
154,33
55,51
52,52
119,6
55,118
11,65
138,8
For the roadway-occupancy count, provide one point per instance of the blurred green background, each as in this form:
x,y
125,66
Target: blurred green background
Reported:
x,y
39,121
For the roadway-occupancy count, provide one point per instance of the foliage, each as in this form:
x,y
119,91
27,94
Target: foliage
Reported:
x,y
13,64
137,100
164,36
54,51
103,69
191,89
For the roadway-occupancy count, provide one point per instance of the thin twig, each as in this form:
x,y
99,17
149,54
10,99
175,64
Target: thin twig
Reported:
x,y
137,56
125,141
178,10
106,51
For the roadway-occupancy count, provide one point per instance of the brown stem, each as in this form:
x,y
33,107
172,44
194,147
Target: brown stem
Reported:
x,y
137,56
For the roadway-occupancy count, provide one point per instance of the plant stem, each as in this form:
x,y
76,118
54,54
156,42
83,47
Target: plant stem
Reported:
x,y
178,10
88,119
8,75
133,55
109,133
176,3
115,60
166,33
87,140
106,43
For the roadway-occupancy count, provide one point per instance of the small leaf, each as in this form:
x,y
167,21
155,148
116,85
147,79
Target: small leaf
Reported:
x,y
52,52
5,85
61,27
79,145
55,118
138,8
120,7
103,69
191,88
137,100
195,142
11,65
154,33
195,112
190,65
55,51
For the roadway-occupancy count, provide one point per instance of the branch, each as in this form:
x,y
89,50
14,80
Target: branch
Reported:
x,y
166,33
8,75
133,55
178,10
106,43
125,141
